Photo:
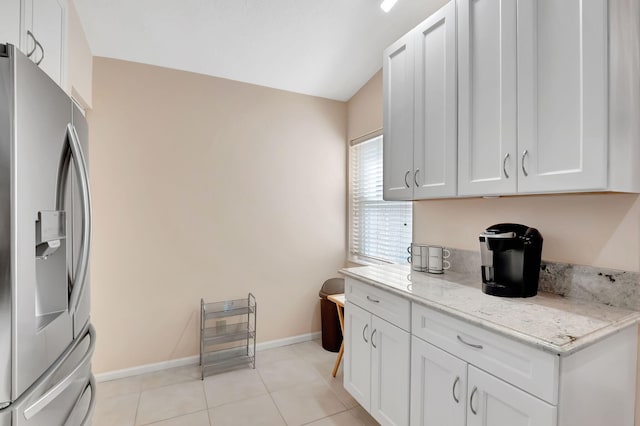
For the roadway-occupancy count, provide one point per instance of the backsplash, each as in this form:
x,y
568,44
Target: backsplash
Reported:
x,y
609,286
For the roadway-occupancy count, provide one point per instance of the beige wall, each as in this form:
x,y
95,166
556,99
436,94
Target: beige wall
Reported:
x,y
365,109
588,229
205,187
79,59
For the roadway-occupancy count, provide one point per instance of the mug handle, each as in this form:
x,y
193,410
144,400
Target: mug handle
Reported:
x,y
445,253
446,264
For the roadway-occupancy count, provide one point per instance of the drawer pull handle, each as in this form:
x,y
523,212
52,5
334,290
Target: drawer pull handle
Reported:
x,y
370,299
372,343
473,392
469,344
363,333
453,389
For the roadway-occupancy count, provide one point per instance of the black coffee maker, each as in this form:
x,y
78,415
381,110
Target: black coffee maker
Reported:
x,y
510,260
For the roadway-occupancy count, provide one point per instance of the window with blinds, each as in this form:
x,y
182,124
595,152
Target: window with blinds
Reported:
x,y
379,230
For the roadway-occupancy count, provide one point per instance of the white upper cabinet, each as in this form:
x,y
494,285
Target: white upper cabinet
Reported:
x,y
562,95
548,97
436,108
44,35
38,29
398,120
10,22
487,138
420,111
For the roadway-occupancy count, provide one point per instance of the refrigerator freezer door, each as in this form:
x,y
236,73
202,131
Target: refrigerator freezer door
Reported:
x,y
42,322
5,418
65,394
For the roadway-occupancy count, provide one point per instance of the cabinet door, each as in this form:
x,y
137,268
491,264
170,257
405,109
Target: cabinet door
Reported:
x,y
46,19
397,77
493,402
487,97
357,354
562,95
390,363
436,108
438,386
10,22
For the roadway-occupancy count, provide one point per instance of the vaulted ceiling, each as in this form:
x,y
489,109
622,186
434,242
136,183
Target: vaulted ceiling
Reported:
x,y
326,48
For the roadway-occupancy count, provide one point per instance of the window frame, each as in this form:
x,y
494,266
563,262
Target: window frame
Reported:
x,y
351,257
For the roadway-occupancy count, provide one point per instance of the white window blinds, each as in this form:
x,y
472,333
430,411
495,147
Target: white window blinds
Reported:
x,y
379,230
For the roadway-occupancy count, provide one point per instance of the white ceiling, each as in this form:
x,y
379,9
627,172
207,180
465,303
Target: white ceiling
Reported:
x,y
326,48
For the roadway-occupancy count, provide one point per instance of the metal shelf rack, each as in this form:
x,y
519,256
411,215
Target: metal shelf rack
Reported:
x,y
227,335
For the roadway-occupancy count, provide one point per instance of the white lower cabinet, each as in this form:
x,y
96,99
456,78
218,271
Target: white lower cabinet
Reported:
x,y
376,368
438,386
493,402
445,390
407,363
357,354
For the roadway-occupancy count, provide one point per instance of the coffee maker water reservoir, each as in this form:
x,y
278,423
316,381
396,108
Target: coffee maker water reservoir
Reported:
x,y
510,260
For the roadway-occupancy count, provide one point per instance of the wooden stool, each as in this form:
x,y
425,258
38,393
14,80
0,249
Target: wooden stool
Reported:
x,y
338,299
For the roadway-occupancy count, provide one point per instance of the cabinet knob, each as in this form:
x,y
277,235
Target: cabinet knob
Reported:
x,y
504,166
406,175
524,170
453,389
35,44
473,393
39,61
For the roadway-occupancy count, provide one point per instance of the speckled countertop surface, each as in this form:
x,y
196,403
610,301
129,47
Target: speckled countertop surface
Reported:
x,y
553,323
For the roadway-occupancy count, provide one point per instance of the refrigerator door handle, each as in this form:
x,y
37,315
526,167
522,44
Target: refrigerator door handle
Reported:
x,y
74,149
87,418
91,384
63,384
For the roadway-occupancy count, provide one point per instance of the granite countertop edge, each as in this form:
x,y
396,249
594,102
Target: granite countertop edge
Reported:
x,y
568,348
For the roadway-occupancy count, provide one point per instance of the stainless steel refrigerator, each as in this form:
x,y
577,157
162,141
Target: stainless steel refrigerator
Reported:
x,y
46,339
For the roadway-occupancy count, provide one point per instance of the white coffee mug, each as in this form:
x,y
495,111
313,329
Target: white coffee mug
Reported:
x,y
437,263
419,258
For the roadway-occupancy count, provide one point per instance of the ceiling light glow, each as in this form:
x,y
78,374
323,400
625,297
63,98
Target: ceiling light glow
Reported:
x,y
386,5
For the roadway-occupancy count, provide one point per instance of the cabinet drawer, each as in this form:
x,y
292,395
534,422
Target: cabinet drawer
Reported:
x,y
530,369
385,305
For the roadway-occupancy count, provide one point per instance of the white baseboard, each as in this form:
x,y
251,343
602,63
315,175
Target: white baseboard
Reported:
x,y
191,360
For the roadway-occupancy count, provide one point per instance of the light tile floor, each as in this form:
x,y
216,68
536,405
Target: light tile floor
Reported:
x,y
291,386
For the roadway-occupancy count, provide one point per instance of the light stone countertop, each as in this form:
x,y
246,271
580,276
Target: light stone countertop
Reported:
x,y
550,322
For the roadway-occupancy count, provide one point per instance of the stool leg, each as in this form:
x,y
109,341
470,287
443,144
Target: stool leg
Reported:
x,y
335,367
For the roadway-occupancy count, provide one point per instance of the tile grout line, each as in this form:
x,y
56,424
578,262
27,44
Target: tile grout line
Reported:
x,y
174,417
313,362
135,418
271,397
